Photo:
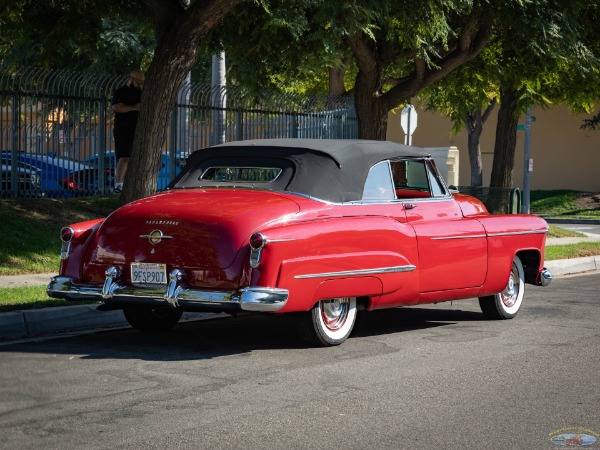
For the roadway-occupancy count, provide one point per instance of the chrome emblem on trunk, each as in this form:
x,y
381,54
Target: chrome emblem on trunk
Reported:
x,y
155,236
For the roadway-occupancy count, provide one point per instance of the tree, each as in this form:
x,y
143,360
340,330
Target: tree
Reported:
x,y
540,54
394,48
179,31
66,30
468,96
547,55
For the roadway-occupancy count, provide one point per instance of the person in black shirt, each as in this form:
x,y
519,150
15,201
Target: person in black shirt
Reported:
x,y
126,106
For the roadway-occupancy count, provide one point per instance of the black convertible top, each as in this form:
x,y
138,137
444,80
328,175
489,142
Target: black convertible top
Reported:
x,y
329,169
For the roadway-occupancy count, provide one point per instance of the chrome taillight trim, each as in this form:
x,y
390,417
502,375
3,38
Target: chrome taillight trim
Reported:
x,y
65,247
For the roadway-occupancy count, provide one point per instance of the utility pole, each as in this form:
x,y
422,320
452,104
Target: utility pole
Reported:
x,y
527,160
219,99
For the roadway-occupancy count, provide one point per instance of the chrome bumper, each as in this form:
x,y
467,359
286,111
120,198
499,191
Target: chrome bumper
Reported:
x,y
545,277
174,295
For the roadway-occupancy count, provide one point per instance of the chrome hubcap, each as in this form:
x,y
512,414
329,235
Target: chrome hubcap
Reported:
x,y
510,293
334,312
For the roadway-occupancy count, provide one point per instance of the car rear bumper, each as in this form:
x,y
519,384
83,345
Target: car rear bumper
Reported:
x,y
174,295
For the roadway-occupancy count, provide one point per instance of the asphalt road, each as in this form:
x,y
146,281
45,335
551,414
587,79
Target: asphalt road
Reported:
x,y
439,377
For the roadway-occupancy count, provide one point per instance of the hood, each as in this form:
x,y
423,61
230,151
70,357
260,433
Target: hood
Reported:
x,y
201,228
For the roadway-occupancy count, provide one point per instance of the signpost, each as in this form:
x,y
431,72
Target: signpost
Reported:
x,y
408,122
528,161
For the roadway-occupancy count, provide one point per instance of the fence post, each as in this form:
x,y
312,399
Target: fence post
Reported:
x,y
16,141
239,125
173,145
102,150
294,126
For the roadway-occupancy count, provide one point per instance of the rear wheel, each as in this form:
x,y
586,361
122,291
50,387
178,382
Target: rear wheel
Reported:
x,y
152,320
329,322
507,303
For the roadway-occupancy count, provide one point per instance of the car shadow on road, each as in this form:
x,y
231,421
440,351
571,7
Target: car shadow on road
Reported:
x,y
209,339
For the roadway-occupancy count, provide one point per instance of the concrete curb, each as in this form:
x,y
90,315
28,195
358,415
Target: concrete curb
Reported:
x,y
572,221
45,321
66,319
575,265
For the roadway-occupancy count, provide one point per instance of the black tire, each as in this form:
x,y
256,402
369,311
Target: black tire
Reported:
x,y
152,320
329,322
507,303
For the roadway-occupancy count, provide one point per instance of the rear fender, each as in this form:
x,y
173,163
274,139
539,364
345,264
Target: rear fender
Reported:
x,y
309,280
84,234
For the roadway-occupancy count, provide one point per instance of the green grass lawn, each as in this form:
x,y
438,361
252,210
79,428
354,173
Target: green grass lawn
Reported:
x,y
565,204
29,297
31,241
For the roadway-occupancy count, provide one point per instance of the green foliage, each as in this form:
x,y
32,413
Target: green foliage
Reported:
x,y
111,37
548,51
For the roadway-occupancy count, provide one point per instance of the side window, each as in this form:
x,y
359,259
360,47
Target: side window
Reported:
x,y
410,178
379,183
437,187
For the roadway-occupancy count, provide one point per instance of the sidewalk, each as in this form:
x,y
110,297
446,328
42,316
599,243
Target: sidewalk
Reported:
x,y
47,321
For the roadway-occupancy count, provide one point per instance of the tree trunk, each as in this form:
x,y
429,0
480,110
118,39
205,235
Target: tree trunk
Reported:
x,y
475,120
179,33
475,128
504,151
336,81
506,139
371,114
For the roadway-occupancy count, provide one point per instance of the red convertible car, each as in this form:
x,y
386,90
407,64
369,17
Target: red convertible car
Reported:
x,y
319,228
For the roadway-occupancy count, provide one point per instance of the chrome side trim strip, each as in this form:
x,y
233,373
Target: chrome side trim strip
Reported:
x,y
345,273
508,233
517,233
469,236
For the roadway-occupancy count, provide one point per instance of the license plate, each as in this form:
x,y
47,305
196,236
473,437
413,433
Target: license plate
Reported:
x,y
148,273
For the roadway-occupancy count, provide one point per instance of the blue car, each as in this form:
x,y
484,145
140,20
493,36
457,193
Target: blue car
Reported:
x,y
28,180
164,174
57,172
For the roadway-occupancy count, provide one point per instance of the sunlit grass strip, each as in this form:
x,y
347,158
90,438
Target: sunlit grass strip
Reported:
x,y
569,251
29,297
557,232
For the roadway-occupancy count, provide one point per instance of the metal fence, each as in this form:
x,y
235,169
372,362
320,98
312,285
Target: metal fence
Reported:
x,y
56,127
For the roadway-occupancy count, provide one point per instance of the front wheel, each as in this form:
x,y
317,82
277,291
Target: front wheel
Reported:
x,y
507,303
329,322
152,320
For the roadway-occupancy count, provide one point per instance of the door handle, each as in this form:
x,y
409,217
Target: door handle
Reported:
x,y
410,205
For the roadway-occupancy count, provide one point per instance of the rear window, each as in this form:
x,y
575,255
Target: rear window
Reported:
x,y
241,174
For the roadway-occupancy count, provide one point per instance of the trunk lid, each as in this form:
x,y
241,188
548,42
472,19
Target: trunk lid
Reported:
x,y
201,228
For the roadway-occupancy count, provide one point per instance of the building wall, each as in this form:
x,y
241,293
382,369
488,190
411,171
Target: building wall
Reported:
x,y
564,155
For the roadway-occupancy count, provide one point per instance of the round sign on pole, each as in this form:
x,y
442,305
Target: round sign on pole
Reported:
x,y
408,122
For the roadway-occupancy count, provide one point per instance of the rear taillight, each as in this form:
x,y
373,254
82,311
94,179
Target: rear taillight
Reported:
x,y
257,241
66,234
